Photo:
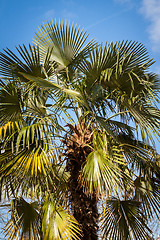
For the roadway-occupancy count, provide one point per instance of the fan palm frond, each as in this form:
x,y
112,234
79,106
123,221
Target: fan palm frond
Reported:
x,y
30,161
124,219
102,170
29,63
57,223
10,102
120,71
147,191
67,42
24,222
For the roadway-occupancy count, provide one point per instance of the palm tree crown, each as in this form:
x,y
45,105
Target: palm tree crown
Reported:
x,y
78,121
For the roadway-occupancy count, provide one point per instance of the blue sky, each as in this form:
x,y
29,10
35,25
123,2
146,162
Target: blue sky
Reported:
x,y
105,20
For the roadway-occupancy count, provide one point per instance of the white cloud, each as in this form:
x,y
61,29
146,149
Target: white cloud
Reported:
x,y
127,4
151,10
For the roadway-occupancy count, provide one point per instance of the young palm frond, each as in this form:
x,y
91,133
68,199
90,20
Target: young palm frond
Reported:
x,y
68,43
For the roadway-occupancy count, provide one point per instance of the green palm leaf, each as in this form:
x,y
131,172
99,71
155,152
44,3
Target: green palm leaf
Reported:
x,y
29,63
119,71
102,170
147,191
67,42
10,102
113,97
50,85
24,222
27,162
57,223
124,219
8,130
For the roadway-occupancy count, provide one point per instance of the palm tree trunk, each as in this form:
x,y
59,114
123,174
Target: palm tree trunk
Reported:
x,y
84,206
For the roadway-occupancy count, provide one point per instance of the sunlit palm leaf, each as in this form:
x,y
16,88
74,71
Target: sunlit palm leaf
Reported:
x,y
58,224
102,170
67,42
8,130
30,161
36,133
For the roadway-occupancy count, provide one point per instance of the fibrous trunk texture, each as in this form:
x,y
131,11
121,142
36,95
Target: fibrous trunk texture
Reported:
x,y
84,206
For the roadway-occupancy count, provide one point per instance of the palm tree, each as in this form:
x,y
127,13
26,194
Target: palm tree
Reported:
x,y
77,121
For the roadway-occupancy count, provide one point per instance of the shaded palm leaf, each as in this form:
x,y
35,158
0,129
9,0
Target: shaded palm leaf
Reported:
x,y
124,220
10,102
31,63
24,222
147,190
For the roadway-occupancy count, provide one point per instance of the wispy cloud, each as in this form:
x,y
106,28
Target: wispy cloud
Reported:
x,y
49,14
151,11
122,1
107,18
126,3
68,15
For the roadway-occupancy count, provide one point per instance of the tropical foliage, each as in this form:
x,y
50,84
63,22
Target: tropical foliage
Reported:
x,y
78,121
